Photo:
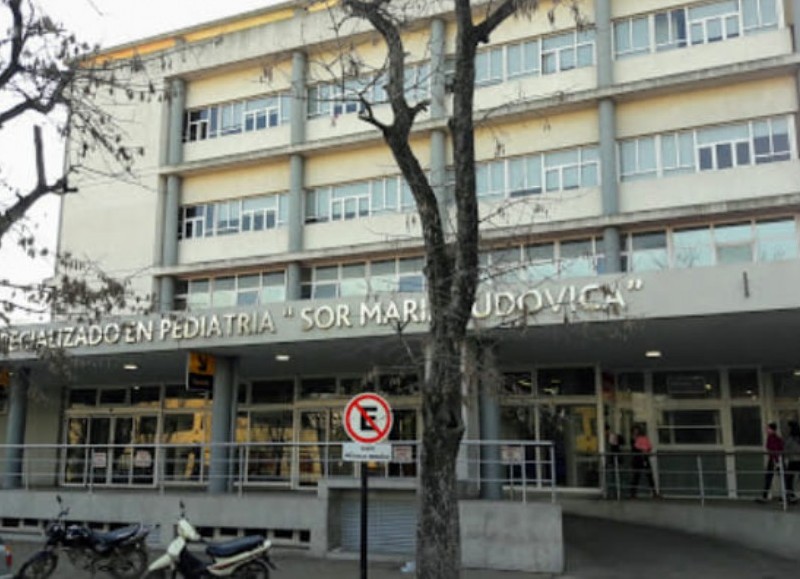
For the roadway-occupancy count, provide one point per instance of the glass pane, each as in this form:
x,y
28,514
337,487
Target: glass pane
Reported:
x,y
746,425
743,384
272,392
693,248
566,382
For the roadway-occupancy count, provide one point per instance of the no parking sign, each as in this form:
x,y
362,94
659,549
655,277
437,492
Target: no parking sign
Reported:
x,y
368,418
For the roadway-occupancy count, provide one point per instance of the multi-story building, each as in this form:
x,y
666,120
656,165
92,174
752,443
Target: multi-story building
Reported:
x,y
640,192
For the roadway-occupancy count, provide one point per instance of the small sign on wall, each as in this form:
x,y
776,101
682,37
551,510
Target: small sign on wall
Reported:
x,y
200,370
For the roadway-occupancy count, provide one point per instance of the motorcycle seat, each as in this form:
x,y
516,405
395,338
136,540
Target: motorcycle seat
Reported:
x,y
231,548
116,536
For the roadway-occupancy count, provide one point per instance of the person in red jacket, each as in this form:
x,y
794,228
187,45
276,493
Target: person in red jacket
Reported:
x,y
774,446
640,461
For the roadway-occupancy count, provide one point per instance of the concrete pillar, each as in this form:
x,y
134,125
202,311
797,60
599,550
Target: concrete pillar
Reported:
x,y
219,470
492,474
609,183
438,92
608,134
299,108
169,250
296,218
796,24
605,61
15,428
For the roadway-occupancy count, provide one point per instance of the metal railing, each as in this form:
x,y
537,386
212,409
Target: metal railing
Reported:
x,y
700,476
514,467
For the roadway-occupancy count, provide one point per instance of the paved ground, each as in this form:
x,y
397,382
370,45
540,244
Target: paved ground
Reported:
x,y
595,549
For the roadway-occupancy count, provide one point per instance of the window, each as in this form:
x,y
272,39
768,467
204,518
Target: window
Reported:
x,y
192,219
714,22
234,216
670,29
631,36
197,125
647,251
638,158
693,247
234,117
571,169
523,58
567,51
776,240
541,261
746,421
690,427
702,23
355,200
525,176
490,178
734,243
489,66
706,149
743,384
577,258
771,140
723,147
243,290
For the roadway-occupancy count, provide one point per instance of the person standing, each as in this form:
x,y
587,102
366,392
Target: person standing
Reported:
x,y
774,447
791,450
640,461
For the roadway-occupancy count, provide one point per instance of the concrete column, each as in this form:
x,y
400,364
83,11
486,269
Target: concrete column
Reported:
x,y
489,403
297,172
796,24
609,185
605,61
15,428
219,469
438,93
608,134
169,250
299,108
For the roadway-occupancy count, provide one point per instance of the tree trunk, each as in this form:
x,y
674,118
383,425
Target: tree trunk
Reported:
x,y
438,530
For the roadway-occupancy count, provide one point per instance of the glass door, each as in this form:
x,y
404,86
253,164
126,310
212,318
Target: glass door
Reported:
x,y
99,438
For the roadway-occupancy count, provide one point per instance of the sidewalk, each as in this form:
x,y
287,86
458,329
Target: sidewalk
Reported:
x,y
595,549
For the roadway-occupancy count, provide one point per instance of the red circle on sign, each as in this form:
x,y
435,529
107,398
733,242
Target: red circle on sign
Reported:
x,y
380,432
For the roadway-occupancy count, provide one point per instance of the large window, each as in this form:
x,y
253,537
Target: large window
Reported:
x,y
358,199
690,427
241,290
693,25
232,118
706,149
402,275
233,216
531,175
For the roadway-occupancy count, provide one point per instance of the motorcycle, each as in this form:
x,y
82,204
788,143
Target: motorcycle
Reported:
x,y
120,553
244,558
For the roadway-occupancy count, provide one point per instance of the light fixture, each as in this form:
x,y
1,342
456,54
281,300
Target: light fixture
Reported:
x,y
131,367
653,353
797,373
282,357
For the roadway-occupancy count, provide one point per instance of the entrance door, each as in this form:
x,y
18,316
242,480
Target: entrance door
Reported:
x,y
133,451
573,430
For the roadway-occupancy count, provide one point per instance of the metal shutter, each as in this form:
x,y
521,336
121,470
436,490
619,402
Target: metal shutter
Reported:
x,y
392,525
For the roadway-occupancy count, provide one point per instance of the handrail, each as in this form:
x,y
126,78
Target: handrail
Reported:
x,y
243,466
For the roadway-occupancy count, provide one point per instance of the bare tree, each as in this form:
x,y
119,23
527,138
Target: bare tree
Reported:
x,y
451,260
48,78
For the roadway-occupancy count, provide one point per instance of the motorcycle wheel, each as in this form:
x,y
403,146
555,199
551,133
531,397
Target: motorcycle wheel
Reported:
x,y
129,563
252,570
40,566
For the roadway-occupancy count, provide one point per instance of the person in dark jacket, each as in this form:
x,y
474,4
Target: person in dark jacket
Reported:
x,y
791,451
774,447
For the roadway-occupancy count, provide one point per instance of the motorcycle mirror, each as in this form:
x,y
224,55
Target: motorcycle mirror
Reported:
x,y
183,507
58,499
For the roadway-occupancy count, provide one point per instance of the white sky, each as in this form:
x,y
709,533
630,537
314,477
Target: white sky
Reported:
x,y
108,22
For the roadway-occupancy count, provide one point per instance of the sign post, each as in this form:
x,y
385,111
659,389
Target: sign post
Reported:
x,y
367,421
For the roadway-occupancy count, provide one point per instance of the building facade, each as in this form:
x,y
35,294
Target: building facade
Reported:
x,y
639,184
